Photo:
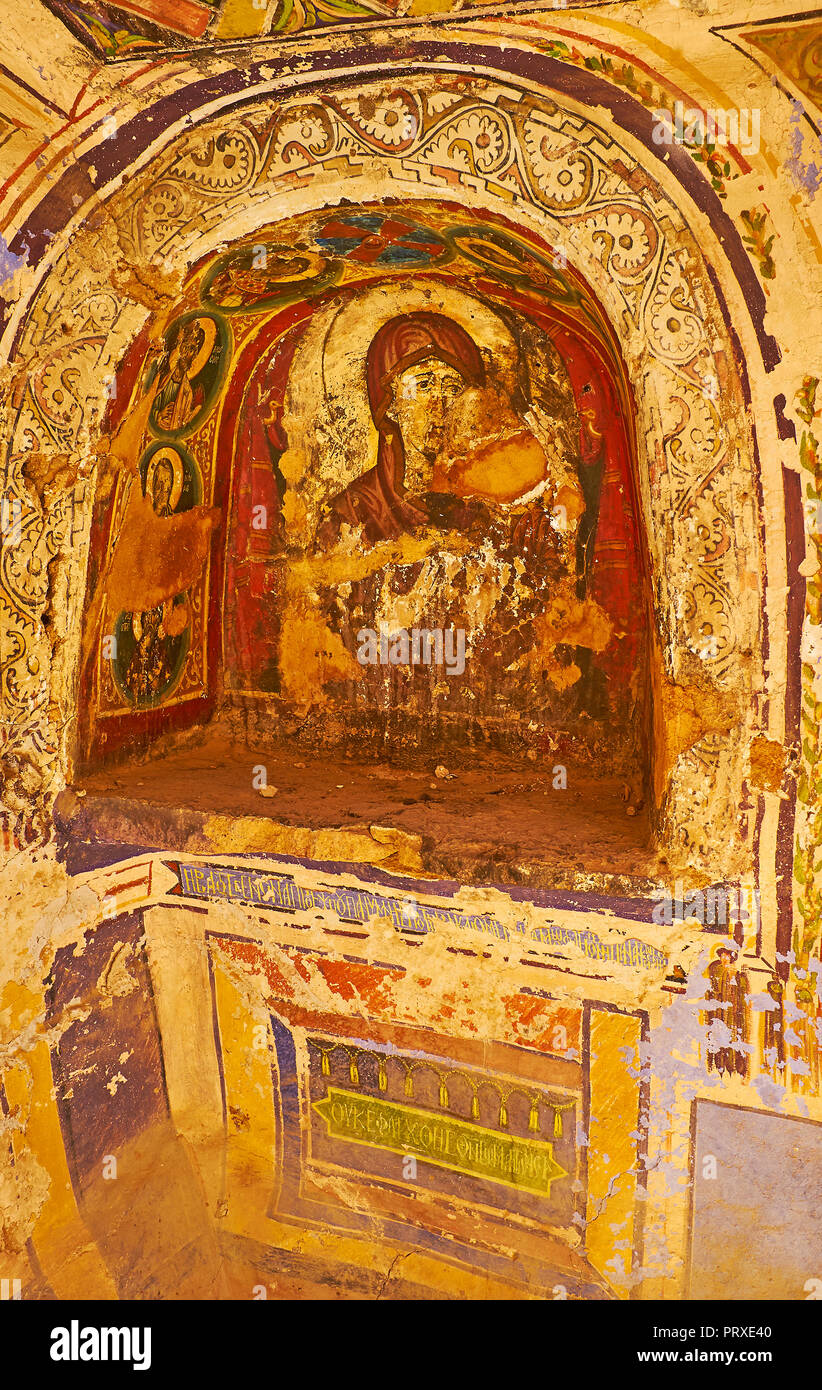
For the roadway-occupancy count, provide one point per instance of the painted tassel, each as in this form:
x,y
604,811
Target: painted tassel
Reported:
x,y
382,1079
533,1118
409,1083
325,1067
443,1095
353,1072
503,1115
557,1124
475,1106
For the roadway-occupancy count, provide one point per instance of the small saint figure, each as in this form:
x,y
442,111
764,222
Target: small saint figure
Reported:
x,y
727,1016
156,630
179,395
246,281
773,1029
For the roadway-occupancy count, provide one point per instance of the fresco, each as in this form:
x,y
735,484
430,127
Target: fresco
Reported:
x,y
658,290
380,391
151,646
134,28
315,1083
793,48
464,469
188,374
377,1127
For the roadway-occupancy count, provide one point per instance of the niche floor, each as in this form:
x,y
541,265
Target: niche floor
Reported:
x,y
494,821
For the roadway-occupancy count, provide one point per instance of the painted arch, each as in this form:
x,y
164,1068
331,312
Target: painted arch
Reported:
x,y
556,173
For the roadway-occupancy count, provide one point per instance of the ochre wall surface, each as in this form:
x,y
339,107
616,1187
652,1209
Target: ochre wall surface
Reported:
x,y
330,971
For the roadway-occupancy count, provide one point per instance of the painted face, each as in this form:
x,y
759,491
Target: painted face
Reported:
x,y
423,398
190,340
161,487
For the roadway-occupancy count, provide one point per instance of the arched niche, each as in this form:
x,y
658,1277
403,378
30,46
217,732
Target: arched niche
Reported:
x,y
393,570
576,187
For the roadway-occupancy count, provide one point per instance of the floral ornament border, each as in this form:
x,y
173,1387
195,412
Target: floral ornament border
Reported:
x,y
653,97
807,872
799,998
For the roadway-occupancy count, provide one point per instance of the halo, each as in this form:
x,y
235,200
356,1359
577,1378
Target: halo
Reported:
x,y
326,411
167,455
316,262
352,327
271,284
731,950
209,327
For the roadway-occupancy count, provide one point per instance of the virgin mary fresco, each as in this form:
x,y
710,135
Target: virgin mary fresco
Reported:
x,y
453,458
433,481
418,368
417,365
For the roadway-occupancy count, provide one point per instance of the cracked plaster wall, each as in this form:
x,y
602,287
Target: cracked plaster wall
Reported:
x,y
96,280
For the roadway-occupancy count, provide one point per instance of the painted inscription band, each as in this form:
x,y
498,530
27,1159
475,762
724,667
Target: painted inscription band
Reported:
x,y
450,1143
279,892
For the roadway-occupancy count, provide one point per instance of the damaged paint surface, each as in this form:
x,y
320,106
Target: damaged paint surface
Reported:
x,y
382,968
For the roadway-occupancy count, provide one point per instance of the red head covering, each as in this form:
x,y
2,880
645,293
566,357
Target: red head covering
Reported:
x,y
376,500
411,338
